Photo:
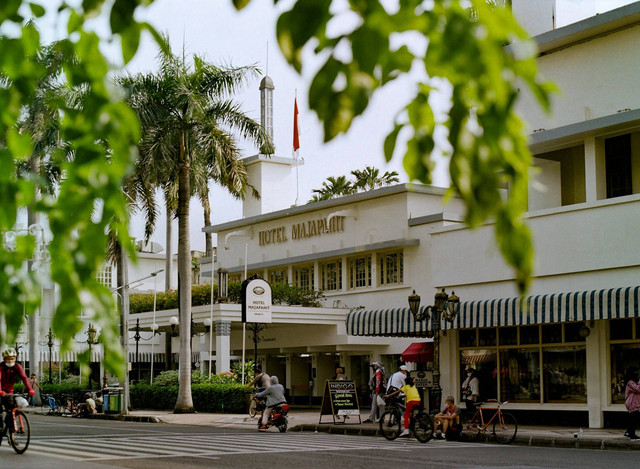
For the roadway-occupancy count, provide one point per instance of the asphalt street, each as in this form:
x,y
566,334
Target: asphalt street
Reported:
x,y
93,444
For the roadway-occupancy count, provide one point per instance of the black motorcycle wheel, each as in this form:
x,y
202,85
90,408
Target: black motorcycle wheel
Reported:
x,y
283,424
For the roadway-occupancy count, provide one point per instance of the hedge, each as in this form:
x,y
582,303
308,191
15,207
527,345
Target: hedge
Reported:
x,y
282,294
228,398
58,390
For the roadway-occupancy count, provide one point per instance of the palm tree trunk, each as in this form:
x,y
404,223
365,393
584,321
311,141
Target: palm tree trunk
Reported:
x,y
167,249
208,236
184,403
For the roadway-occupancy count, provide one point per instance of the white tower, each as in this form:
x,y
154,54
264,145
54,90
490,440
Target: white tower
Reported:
x,y
269,174
266,105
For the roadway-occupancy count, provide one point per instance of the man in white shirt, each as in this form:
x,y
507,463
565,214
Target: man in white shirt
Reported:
x,y
398,379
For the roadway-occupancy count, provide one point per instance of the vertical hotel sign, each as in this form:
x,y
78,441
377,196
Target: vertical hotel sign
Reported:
x,y
256,301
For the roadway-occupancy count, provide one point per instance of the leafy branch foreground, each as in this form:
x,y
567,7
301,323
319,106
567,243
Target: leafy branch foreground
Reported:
x,y
464,55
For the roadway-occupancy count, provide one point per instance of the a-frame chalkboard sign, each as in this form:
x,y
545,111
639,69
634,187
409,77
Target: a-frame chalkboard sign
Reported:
x,y
340,399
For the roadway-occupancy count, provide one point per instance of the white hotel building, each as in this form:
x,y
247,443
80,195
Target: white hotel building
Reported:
x,y
367,252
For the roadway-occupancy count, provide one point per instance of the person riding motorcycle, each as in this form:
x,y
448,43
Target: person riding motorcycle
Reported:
x,y
275,396
10,371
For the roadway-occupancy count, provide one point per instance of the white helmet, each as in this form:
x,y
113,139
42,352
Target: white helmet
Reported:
x,y
9,353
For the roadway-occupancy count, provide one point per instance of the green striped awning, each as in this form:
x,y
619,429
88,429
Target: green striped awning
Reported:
x,y
537,309
395,322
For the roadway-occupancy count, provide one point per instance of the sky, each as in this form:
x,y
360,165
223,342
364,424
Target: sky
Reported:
x,y
215,30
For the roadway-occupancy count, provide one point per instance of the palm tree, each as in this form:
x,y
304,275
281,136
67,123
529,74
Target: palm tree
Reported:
x,y
369,178
333,187
187,120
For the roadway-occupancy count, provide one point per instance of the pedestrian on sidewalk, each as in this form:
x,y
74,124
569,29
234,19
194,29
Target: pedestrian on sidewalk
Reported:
x,y
377,387
35,385
632,402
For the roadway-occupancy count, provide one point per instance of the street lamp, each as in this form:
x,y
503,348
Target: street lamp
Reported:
x,y
137,337
255,328
91,340
445,307
50,344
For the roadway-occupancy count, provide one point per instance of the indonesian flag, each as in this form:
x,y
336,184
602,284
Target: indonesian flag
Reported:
x,y
296,129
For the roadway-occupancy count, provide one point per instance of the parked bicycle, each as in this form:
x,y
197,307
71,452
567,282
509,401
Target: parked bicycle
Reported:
x,y
70,405
15,425
504,426
50,406
420,424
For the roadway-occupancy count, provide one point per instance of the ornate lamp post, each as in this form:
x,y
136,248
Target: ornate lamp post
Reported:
x,y
255,328
91,340
50,345
445,307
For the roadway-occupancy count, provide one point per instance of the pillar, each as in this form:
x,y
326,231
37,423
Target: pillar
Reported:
x,y
223,346
597,381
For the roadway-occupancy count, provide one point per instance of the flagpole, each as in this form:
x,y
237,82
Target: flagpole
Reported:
x,y
296,155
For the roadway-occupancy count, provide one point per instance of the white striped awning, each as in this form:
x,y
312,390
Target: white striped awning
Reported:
x,y
395,322
611,303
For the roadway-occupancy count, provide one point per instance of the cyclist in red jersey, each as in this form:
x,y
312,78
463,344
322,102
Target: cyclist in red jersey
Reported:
x,y
10,371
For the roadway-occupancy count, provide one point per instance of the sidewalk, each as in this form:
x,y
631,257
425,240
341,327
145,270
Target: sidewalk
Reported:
x,y
308,420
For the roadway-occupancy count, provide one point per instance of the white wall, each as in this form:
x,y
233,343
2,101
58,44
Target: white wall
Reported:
x,y
537,16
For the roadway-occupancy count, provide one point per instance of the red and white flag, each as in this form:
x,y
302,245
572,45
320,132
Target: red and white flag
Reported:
x,y
296,129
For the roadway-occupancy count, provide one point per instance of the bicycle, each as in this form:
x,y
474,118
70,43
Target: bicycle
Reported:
x,y
70,405
50,405
504,427
420,423
16,424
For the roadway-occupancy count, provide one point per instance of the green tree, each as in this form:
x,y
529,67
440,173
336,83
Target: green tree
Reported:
x,y
88,198
333,187
187,121
483,57
369,178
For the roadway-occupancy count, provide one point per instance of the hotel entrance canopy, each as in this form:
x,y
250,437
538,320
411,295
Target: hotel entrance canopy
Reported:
x,y
613,303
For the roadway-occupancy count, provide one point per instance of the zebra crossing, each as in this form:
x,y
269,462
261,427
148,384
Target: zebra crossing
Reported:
x,y
207,445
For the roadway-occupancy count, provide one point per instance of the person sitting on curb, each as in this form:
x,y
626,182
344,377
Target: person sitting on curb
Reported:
x,y
88,407
275,396
448,419
412,399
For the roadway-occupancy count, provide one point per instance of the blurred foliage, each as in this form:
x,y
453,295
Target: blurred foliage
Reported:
x,y
97,131
472,51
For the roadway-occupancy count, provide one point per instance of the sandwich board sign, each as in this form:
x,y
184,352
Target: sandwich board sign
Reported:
x,y
256,301
340,399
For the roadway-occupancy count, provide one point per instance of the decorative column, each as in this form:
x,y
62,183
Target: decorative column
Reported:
x,y
223,346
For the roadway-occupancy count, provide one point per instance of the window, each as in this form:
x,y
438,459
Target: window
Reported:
x,y
278,276
303,277
625,353
391,269
104,277
617,153
531,363
331,276
235,278
565,374
360,272
520,374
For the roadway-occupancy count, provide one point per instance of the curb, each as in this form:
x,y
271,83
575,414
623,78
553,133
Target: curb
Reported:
x,y
617,444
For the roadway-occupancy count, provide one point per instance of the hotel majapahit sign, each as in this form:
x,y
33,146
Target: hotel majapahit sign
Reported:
x,y
302,230
256,301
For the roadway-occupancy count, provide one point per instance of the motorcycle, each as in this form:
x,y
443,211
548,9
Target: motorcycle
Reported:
x,y
278,418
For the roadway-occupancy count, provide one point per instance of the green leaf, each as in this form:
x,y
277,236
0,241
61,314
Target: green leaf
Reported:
x,y
19,144
75,23
240,4
130,39
122,15
390,142
37,10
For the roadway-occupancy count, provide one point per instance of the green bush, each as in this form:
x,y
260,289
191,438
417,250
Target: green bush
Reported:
x,y
170,378
228,398
282,294
60,390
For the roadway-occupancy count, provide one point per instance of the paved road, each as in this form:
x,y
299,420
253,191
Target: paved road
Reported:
x,y
71,443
